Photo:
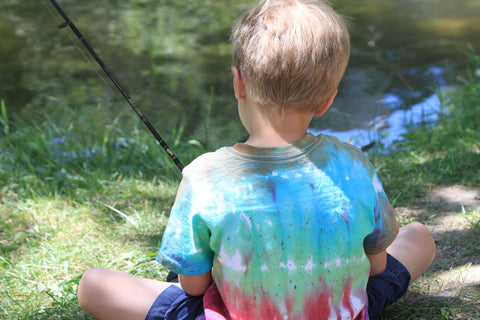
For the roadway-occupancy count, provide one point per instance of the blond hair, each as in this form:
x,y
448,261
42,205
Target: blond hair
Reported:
x,y
291,53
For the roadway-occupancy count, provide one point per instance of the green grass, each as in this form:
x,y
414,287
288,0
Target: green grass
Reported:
x,y
446,154
75,194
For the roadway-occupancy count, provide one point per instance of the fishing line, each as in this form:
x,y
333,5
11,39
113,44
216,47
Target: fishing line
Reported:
x,y
89,59
94,66
94,55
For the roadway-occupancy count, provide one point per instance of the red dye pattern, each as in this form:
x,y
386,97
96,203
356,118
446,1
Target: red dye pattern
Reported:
x,y
243,307
317,304
289,305
248,259
213,305
347,303
269,309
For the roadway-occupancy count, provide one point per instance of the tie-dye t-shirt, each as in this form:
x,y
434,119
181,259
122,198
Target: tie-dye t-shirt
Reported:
x,y
286,229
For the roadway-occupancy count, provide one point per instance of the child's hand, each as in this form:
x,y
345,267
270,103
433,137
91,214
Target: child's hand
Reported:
x,y
196,285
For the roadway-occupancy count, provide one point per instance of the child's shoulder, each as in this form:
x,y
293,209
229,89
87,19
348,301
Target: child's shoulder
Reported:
x,y
347,152
339,146
208,161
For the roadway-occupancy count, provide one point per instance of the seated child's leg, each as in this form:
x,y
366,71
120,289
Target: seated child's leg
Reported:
x,y
414,247
109,294
409,256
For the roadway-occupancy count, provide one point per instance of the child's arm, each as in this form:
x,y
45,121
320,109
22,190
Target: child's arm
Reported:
x,y
195,285
378,262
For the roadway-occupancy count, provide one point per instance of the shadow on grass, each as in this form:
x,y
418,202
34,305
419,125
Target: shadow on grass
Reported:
x,y
414,305
455,249
450,289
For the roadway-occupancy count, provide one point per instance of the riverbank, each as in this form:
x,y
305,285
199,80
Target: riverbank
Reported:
x,y
433,176
75,196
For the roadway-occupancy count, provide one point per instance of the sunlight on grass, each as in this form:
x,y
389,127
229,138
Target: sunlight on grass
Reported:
x,y
74,197
450,287
464,275
62,239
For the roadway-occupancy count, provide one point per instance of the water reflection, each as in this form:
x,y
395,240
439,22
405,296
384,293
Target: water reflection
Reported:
x,y
389,118
405,52
171,56
389,128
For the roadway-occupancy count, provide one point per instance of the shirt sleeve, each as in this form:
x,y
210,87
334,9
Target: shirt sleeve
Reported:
x,y
386,226
185,244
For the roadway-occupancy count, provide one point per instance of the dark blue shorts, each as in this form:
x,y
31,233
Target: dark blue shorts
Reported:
x,y
173,303
387,287
382,290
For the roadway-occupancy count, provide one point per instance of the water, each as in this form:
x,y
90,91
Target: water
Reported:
x,y
387,125
173,58
404,54
390,127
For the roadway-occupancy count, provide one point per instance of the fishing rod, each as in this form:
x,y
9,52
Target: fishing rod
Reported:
x,y
110,75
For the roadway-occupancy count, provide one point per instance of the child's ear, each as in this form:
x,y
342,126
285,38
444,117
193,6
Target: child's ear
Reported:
x,y
238,84
321,110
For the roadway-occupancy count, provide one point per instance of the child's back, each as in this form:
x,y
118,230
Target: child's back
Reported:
x,y
286,226
286,219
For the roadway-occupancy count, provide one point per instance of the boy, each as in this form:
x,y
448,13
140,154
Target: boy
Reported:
x,y
286,225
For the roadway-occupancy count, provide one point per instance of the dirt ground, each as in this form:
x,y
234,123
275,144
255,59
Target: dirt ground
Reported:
x,y
452,283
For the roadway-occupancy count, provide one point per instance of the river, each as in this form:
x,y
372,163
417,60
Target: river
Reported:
x,y
173,58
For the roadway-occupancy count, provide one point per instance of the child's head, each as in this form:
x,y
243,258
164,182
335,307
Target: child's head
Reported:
x,y
291,53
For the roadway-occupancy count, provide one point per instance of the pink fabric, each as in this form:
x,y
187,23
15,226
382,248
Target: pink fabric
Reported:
x,y
213,304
